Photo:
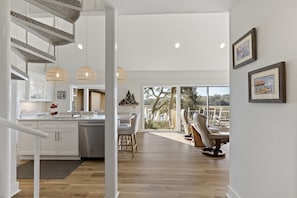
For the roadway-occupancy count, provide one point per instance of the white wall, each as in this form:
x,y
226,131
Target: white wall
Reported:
x,y
264,136
137,79
63,104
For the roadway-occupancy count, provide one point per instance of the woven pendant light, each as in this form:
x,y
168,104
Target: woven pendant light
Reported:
x,y
121,73
56,74
86,73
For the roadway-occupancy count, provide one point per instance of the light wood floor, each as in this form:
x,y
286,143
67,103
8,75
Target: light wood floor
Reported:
x,y
162,168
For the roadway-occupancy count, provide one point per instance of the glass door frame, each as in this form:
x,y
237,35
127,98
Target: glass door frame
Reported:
x,y
177,108
178,103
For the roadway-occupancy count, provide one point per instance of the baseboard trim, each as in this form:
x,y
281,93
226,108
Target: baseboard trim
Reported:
x,y
116,196
232,193
15,189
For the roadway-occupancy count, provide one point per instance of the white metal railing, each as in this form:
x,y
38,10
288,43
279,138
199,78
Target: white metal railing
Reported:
x,y
38,134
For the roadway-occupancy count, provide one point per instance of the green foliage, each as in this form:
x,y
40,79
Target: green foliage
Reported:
x,y
161,100
191,99
219,100
150,124
157,98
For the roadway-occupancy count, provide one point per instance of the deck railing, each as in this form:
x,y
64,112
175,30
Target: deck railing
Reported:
x,y
38,134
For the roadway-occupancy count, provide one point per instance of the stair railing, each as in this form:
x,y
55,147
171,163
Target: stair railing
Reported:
x,y
38,134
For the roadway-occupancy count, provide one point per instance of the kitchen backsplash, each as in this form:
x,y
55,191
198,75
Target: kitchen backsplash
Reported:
x,y
31,108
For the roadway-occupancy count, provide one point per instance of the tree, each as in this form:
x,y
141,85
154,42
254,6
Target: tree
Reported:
x,y
219,100
190,98
160,98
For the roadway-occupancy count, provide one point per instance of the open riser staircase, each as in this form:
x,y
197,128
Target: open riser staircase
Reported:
x,y
68,10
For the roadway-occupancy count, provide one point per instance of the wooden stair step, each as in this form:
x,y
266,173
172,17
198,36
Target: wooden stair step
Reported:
x,y
31,54
68,10
48,33
18,74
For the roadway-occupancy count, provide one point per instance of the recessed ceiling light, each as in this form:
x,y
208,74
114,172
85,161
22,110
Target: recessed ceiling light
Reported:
x,y
222,45
80,46
177,45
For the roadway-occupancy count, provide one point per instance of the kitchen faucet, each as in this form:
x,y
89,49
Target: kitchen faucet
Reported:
x,y
73,109
74,113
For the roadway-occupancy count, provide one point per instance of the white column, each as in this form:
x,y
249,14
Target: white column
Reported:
x,y
5,151
86,99
111,152
14,115
178,109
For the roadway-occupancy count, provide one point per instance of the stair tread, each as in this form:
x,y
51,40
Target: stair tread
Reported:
x,y
31,54
18,74
48,33
68,10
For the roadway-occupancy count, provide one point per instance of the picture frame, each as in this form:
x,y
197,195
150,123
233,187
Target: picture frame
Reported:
x,y
61,95
268,84
244,50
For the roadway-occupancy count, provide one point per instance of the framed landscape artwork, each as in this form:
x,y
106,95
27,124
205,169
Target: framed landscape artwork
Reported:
x,y
244,50
268,84
61,95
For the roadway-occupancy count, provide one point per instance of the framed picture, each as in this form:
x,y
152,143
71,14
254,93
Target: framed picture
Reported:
x,y
268,84
61,95
244,50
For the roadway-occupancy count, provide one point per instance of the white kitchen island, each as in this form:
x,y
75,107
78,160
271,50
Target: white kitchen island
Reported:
x,y
62,141
63,136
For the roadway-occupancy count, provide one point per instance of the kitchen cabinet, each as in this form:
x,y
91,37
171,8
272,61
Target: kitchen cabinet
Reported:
x,y
68,137
62,138
39,88
26,141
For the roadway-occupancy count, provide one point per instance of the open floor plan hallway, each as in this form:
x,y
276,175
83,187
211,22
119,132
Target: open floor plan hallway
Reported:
x,y
165,165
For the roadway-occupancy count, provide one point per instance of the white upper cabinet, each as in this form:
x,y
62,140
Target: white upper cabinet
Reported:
x,y
39,88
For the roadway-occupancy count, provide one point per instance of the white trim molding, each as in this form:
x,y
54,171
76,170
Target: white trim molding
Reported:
x,y
15,188
232,193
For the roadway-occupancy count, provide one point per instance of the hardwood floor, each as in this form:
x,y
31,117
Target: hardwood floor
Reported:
x,y
162,168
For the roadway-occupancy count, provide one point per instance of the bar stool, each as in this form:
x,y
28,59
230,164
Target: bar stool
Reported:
x,y
127,135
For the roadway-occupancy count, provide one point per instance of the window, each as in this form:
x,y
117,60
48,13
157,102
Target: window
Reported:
x,y
160,108
194,99
210,101
218,103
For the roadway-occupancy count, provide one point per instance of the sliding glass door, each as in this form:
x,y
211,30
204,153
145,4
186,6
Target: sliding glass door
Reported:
x,y
160,108
218,105
193,99
165,109
212,102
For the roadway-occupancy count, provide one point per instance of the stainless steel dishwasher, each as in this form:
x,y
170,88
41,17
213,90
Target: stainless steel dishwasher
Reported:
x,y
91,139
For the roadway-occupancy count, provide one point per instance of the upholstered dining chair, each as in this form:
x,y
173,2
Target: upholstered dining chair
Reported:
x,y
211,140
127,140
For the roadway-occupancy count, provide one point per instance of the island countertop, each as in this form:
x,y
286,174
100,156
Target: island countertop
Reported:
x,y
100,117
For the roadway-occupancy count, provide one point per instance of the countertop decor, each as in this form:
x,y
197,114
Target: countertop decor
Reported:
x,y
53,109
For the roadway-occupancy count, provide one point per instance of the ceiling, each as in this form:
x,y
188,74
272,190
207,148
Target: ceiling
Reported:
x,y
161,6
148,29
132,7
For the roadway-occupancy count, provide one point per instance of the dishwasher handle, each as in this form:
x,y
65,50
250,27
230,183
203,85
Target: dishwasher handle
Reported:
x,y
90,124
